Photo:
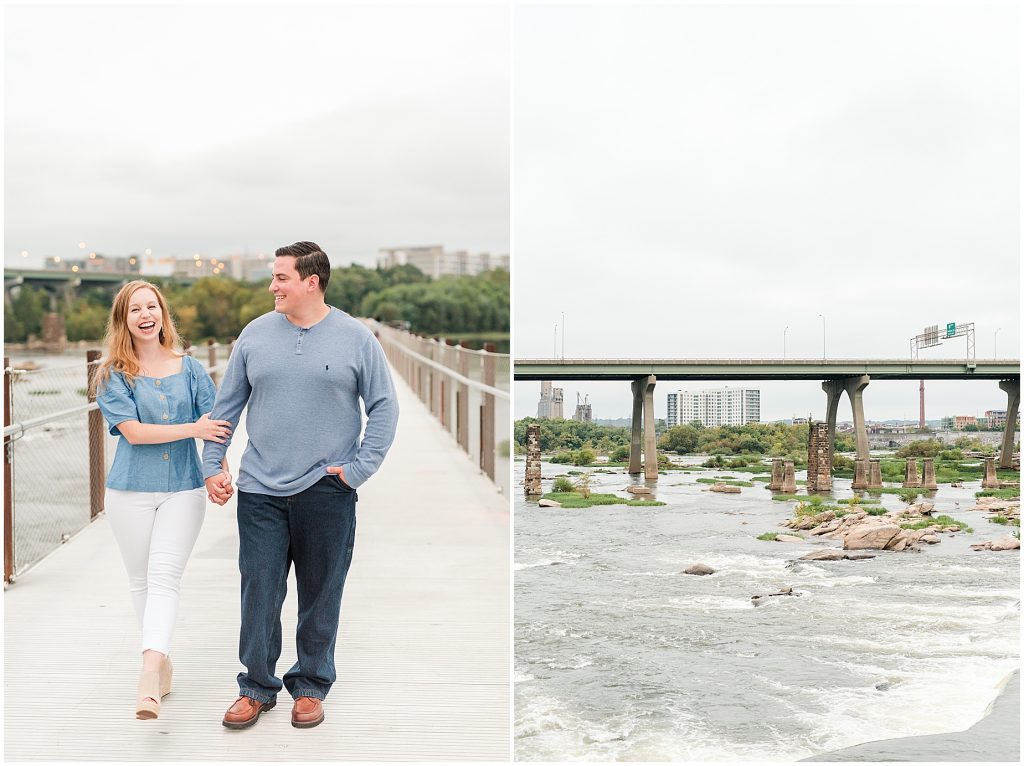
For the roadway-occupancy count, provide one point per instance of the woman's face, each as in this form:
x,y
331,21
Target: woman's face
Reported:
x,y
145,319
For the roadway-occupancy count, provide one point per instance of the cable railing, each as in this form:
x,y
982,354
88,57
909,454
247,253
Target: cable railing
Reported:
x,y
465,389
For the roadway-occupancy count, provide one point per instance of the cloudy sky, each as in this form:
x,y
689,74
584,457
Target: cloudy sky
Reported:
x,y
220,129
690,181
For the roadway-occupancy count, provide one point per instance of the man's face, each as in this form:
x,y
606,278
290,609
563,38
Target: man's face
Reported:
x,y
291,292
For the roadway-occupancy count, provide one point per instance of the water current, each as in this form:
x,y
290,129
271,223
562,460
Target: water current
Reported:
x,y
618,656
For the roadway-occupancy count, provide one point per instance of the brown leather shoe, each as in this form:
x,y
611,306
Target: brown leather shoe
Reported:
x,y
245,712
307,712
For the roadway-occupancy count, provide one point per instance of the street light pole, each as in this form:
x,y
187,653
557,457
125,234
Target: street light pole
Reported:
x,y
563,336
823,354
784,343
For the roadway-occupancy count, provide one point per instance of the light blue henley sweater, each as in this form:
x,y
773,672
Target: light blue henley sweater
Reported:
x,y
303,387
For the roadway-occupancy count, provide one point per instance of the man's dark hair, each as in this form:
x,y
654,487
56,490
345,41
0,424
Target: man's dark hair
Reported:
x,y
309,260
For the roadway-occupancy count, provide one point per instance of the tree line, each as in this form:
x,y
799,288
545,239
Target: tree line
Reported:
x,y
755,439
219,307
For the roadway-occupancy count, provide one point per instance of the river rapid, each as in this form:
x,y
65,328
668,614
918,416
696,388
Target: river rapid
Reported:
x,y
618,656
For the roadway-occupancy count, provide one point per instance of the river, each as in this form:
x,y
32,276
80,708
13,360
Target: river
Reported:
x,y
620,657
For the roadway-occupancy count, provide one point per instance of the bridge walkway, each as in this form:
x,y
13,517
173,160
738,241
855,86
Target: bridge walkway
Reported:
x,y
422,654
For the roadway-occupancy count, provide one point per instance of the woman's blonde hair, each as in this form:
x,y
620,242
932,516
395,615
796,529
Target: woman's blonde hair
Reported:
x,y
119,351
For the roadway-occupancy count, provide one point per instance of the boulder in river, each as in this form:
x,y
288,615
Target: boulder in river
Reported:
x,y
728,489
1002,544
638,489
788,539
699,569
875,536
545,503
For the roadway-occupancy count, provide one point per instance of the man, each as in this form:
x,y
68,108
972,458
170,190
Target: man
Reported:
x,y
302,369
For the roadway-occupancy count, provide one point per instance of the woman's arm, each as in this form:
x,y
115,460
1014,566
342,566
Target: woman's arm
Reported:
x,y
150,433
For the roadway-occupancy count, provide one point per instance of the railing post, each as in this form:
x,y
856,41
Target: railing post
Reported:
x,y
211,359
487,414
462,403
8,477
97,465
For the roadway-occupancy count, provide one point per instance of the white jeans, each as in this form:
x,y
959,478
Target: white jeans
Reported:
x,y
155,532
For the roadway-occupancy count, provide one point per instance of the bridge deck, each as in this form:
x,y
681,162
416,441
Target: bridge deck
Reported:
x,y
422,656
765,369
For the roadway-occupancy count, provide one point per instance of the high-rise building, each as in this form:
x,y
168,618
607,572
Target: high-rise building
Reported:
x,y
433,261
714,407
584,410
550,405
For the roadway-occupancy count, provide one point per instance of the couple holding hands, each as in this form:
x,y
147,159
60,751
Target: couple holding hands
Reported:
x,y
302,369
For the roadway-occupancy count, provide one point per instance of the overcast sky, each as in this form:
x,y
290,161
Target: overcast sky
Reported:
x,y
689,181
185,128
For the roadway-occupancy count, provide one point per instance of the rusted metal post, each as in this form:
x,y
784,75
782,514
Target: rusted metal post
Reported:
x,y
487,414
211,359
97,465
8,480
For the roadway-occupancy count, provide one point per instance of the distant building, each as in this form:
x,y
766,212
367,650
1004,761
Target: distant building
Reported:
x,y
242,266
714,407
996,418
888,428
584,410
95,263
550,405
960,422
433,261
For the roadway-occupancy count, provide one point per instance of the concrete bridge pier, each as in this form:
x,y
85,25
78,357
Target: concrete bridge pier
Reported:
x,y
643,417
854,387
833,390
1012,389
855,390
777,473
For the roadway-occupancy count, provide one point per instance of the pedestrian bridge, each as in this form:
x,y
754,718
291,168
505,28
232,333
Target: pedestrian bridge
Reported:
x,y
422,653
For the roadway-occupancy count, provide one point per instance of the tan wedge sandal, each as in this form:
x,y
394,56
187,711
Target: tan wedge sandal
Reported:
x,y
148,705
166,674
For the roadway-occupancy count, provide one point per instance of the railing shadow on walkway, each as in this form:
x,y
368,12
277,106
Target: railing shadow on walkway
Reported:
x,y
422,654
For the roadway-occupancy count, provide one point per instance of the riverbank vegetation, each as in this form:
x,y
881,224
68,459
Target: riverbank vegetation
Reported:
x,y
219,307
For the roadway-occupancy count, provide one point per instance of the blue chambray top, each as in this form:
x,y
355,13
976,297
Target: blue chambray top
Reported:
x,y
180,398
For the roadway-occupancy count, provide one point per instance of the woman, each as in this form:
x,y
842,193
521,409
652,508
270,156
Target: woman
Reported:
x,y
154,397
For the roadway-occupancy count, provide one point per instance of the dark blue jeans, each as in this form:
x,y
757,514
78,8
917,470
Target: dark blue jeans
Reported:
x,y
315,530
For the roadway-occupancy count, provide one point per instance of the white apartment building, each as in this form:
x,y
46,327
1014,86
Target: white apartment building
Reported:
x,y
433,261
714,407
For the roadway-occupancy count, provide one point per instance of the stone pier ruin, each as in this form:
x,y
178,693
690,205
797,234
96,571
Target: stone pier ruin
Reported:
x,y
819,458
788,478
777,472
874,473
910,478
860,474
991,480
532,483
929,474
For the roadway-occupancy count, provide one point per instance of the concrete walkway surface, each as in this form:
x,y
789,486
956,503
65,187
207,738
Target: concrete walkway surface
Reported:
x,y
422,654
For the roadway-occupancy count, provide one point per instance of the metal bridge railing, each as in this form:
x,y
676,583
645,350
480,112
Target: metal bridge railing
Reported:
x,y
57,451
466,390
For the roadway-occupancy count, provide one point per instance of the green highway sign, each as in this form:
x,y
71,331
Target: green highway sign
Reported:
x,y
950,329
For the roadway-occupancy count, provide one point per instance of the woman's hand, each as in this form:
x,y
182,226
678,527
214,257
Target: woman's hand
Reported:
x,y
212,430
